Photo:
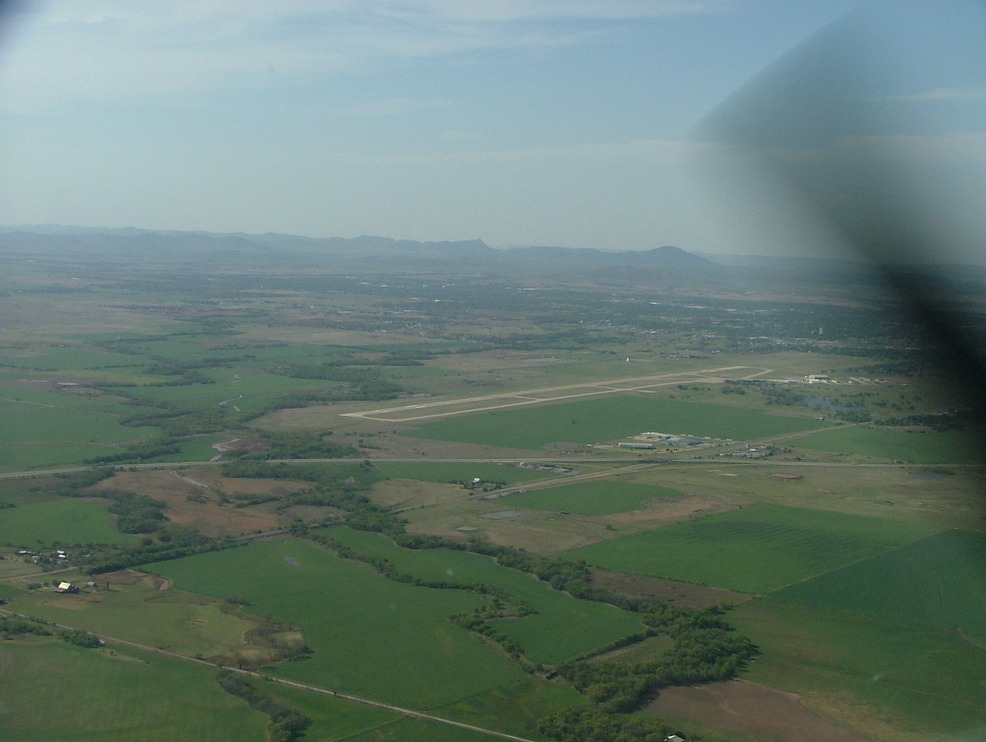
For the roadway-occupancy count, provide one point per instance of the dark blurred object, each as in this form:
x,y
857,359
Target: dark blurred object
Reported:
x,y
857,134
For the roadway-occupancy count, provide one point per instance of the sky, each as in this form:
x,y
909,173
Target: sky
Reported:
x,y
547,122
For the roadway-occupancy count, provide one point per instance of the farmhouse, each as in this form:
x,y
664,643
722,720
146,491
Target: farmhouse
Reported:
x,y
66,587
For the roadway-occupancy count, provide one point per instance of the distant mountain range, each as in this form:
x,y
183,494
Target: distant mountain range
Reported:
x,y
159,242
369,254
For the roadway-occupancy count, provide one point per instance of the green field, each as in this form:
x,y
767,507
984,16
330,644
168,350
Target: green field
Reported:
x,y
889,680
50,690
354,619
67,520
897,445
591,498
70,358
336,719
937,582
545,636
460,472
141,613
756,549
60,432
609,419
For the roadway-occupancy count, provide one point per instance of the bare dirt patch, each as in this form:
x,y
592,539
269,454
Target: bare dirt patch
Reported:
x,y
123,577
193,498
744,707
679,593
661,511
538,532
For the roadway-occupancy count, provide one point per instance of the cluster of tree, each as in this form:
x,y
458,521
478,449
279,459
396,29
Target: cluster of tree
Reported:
x,y
141,451
271,634
186,373
285,723
136,513
705,649
73,484
298,446
81,638
175,420
937,421
12,627
365,384
337,487
174,542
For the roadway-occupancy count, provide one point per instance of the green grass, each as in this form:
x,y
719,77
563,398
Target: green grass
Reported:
x,y
42,428
547,636
249,390
50,690
515,709
67,520
355,621
937,582
608,419
897,445
591,498
143,614
883,678
459,472
756,549
70,357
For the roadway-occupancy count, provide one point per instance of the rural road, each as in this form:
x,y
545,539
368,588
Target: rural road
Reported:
x,y
116,641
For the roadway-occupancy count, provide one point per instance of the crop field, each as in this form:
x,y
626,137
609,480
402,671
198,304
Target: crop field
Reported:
x,y
937,582
69,521
370,620
610,419
56,691
58,431
897,445
754,549
591,498
891,681
337,719
545,635
69,358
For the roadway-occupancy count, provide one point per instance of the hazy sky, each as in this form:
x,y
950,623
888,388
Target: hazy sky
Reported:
x,y
556,122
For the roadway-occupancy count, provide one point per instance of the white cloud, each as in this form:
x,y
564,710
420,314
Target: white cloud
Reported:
x,y
105,49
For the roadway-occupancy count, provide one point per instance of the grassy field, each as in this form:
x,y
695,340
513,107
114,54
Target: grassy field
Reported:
x,y
335,719
897,445
354,619
69,358
142,613
545,636
591,498
36,434
610,419
460,472
69,521
55,691
755,549
936,582
890,681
